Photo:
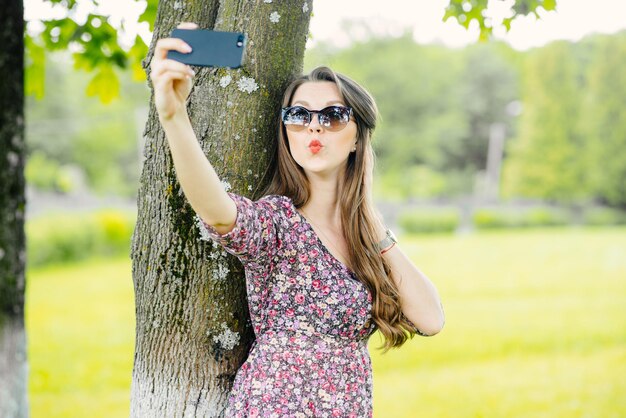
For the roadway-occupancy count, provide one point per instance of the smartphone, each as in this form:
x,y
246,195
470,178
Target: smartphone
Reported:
x,y
210,48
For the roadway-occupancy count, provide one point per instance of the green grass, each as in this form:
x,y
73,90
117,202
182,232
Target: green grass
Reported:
x,y
535,327
80,329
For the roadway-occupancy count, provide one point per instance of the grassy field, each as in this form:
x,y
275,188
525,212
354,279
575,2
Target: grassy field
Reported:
x,y
535,327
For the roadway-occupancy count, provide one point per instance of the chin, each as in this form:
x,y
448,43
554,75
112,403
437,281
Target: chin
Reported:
x,y
321,169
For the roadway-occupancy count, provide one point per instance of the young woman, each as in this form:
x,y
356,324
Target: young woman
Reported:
x,y
322,272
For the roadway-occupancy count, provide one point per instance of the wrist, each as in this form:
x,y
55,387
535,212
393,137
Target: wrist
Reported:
x,y
176,126
387,242
178,117
388,248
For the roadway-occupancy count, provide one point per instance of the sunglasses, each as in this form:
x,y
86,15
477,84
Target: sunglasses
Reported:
x,y
332,118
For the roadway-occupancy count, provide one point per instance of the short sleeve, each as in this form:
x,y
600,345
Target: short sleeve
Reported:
x,y
417,331
414,328
254,234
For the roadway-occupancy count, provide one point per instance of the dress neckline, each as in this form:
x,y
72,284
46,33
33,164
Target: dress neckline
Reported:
x,y
317,237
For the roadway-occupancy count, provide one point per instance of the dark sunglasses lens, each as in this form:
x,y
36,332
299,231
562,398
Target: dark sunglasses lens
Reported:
x,y
335,117
296,116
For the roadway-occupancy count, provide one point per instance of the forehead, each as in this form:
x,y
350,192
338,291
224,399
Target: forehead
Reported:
x,y
317,94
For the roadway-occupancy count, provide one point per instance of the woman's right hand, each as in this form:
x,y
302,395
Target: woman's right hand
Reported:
x,y
171,80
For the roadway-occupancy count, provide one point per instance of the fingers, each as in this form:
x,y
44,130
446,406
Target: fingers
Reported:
x,y
168,78
168,65
165,70
167,44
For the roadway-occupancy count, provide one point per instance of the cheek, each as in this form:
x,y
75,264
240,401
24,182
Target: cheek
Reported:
x,y
349,139
291,141
295,150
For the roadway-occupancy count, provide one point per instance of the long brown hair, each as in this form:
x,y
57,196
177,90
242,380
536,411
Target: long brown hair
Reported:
x,y
357,213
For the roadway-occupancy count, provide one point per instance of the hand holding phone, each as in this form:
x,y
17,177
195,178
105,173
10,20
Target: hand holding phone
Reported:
x,y
210,48
171,80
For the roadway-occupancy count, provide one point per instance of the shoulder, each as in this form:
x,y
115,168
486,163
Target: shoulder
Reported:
x,y
281,208
272,200
277,202
270,203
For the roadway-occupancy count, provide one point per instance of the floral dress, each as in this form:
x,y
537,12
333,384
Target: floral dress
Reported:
x,y
310,314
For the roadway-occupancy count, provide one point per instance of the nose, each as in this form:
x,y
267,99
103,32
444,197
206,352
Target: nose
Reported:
x,y
315,125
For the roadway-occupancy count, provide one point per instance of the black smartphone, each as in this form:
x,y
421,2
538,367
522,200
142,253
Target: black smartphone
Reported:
x,y
210,48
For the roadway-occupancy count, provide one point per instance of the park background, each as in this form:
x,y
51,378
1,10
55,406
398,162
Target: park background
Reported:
x,y
502,169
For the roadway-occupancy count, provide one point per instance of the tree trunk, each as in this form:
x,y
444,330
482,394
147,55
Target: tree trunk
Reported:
x,y
193,329
13,365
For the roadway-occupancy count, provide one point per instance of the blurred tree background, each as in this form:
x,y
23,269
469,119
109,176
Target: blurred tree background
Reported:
x,y
77,143
562,105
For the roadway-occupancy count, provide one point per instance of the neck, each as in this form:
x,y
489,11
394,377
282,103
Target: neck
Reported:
x,y
323,203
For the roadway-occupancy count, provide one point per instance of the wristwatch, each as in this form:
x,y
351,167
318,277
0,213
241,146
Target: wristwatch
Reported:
x,y
389,239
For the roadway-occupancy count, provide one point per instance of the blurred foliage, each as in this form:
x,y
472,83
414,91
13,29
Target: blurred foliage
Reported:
x,y
603,119
45,173
418,181
544,161
486,218
468,11
96,41
603,216
422,221
572,132
95,47
68,237
66,129
542,216
437,105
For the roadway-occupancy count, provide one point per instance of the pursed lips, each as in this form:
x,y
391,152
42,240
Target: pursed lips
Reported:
x,y
315,146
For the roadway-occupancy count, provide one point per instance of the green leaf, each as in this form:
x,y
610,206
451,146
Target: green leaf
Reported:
x,y
119,57
475,13
478,7
34,68
521,7
84,61
549,5
462,19
507,23
69,4
149,15
64,30
485,34
449,13
136,54
105,84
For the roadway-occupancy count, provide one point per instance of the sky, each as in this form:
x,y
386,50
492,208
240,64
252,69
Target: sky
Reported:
x,y
572,20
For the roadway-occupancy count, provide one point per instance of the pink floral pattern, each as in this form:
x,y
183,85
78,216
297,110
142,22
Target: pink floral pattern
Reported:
x,y
310,314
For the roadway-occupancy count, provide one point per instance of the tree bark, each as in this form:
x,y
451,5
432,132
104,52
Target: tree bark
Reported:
x,y
13,364
193,329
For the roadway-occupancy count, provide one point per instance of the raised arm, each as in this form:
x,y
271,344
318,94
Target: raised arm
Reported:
x,y
202,187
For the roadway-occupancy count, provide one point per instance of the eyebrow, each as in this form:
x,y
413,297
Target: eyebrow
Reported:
x,y
304,102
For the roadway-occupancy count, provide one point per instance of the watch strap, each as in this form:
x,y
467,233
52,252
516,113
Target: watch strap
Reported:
x,y
387,241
